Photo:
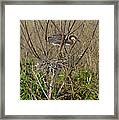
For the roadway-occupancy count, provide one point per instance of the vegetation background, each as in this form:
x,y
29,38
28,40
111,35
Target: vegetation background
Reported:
x,y
78,79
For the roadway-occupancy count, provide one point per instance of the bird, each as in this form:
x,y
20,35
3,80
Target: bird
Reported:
x,y
57,39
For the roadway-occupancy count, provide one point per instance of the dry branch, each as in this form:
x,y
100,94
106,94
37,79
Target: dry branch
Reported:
x,y
46,32
76,29
56,26
88,44
41,25
39,38
30,44
71,27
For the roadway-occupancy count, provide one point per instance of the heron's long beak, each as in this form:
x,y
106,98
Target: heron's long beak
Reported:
x,y
77,40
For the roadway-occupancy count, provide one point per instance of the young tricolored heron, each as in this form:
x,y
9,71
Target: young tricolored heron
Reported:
x,y
56,39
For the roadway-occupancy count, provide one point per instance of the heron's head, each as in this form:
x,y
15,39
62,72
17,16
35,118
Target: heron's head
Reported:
x,y
73,38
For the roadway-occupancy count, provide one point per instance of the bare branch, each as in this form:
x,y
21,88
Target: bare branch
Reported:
x,y
76,29
95,29
71,28
61,25
29,44
41,25
64,25
50,49
61,45
72,46
88,44
81,56
39,38
46,32
65,50
55,26
77,39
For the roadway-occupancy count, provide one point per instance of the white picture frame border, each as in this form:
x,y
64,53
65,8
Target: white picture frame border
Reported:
x,y
116,49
